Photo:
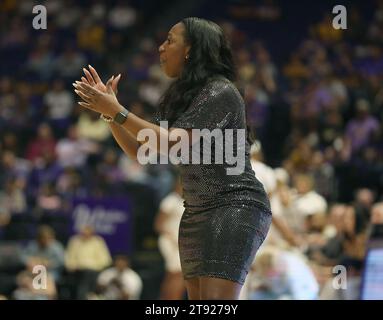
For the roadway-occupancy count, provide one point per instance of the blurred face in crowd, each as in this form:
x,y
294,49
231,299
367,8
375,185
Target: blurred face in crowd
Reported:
x,y
72,133
121,263
86,232
303,184
377,213
362,109
173,51
270,269
44,131
365,197
336,216
45,237
349,220
58,85
8,159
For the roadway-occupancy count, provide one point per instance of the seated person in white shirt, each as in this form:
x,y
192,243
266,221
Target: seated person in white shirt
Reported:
x,y
119,282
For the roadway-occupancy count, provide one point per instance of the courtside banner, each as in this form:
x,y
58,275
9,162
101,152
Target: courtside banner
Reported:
x,y
111,218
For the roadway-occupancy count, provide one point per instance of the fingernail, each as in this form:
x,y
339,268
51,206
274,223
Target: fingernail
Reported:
x,y
90,66
119,75
76,91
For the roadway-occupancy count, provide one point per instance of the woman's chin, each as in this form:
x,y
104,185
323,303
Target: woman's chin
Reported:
x,y
169,74
164,70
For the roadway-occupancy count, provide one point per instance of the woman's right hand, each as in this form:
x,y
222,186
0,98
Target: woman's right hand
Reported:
x,y
92,78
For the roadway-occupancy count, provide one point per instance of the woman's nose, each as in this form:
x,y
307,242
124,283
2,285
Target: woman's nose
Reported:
x,y
161,48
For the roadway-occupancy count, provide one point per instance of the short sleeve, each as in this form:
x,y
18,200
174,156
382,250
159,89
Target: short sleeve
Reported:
x,y
214,107
156,118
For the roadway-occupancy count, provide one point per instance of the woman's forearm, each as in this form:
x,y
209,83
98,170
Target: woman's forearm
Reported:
x,y
125,140
160,138
134,125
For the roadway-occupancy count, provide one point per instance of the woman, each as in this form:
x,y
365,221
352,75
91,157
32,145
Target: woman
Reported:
x,y
226,217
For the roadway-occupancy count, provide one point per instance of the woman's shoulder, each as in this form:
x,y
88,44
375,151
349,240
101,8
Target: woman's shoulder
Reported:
x,y
219,87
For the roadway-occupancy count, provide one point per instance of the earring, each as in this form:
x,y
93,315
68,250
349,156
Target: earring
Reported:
x,y
187,57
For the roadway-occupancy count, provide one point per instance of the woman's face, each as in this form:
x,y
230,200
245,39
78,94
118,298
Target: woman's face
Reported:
x,y
173,51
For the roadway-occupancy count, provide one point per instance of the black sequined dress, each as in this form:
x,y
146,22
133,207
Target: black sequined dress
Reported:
x,y
227,216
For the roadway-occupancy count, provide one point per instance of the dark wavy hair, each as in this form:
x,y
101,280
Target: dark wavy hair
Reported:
x,y
209,56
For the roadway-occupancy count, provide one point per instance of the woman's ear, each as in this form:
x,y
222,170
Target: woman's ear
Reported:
x,y
187,50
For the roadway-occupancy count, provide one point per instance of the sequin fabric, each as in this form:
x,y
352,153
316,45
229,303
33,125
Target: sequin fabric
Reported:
x,y
226,217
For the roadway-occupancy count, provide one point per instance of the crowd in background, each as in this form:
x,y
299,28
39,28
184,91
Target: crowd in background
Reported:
x,y
317,118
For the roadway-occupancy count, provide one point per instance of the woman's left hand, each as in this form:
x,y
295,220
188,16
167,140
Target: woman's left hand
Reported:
x,y
105,103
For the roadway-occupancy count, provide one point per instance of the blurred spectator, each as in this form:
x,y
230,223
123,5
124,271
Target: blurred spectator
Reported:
x,y
282,230
91,127
69,63
323,175
5,217
246,68
257,102
264,173
364,200
355,236
91,37
8,100
110,173
46,170
307,202
70,184
27,291
69,17
13,167
266,70
46,251
73,151
363,129
40,61
86,256
353,278
376,227
60,104
48,199
326,32
119,282
280,274
43,142
11,142
377,213
332,251
167,225
122,16
13,197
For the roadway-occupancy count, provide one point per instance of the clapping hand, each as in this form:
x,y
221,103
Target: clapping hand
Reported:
x,y
96,96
